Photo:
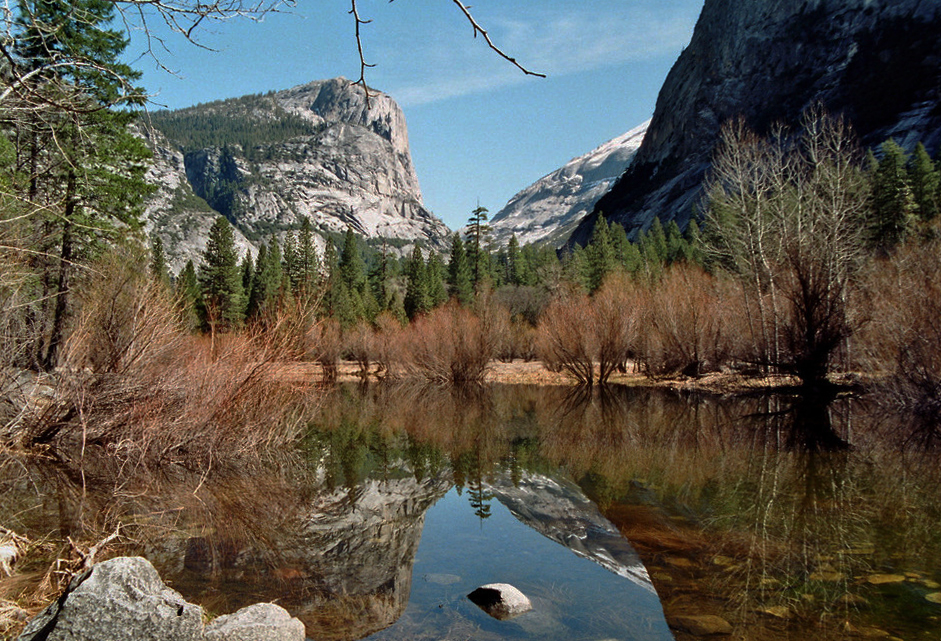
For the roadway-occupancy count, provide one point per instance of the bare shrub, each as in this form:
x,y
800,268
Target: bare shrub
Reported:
x,y
134,383
564,344
902,343
21,298
125,319
786,216
358,345
451,344
388,344
519,342
687,334
614,319
577,331
325,345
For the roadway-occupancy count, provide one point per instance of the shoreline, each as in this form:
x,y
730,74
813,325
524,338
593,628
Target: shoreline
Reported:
x,y
521,372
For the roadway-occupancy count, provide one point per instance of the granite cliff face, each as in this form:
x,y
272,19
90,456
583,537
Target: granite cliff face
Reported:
x,y
875,61
549,209
316,150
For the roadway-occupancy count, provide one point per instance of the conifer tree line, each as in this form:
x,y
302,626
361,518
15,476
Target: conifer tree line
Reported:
x,y
351,282
790,235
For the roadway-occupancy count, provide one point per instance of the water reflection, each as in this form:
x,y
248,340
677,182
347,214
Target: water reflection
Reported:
x,y
775,512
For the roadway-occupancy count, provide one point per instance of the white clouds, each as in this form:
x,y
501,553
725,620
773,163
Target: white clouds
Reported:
x,y
553,39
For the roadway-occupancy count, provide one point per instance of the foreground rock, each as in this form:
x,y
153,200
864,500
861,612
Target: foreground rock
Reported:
x,y
124,598
259,622
500,600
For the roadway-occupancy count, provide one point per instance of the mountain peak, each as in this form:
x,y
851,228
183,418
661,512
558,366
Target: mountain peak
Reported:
x,y
316,150
549,209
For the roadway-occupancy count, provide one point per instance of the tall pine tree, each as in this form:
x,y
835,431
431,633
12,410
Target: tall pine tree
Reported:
x,y
221,280
892,204
460,279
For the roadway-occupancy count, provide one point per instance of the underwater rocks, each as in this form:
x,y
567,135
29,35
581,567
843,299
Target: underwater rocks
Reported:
x,y
125,599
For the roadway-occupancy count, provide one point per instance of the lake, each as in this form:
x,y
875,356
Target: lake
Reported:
x,y
624,513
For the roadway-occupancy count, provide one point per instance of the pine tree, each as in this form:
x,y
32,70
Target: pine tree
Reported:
x,y
221,281
600,257
352,266
460,279
892,204
477,246
158,261
248,272
381,281
417,296
656,241
575,268
267,281
337,303
308,263
926,180
619,241
694,250
188,293
289,259
435,275
517,272
81,159
675,245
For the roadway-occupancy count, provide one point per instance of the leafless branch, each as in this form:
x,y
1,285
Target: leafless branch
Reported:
x,y
483,32
363,65
465,9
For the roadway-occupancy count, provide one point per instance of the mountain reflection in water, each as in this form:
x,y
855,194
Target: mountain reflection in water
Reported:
x,y
773,512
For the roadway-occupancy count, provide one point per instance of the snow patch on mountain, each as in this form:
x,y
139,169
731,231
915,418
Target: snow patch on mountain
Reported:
x,y
550,208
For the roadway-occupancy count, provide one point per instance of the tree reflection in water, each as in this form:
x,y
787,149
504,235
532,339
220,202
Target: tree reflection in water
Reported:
x,y
773,511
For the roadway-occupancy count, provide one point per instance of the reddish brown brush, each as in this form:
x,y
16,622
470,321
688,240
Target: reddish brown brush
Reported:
x,y
451,344
134,382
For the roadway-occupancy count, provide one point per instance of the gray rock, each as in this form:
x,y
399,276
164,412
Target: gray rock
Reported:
x,y
259,622
352,170
500,600
124,599
119,599
550,208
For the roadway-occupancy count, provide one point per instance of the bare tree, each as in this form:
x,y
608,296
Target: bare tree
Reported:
x,y
786,216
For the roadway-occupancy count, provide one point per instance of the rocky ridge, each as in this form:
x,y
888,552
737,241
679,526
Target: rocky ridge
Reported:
x,y
873,60
549,209
346,164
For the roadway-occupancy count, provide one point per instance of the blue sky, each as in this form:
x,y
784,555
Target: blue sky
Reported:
x,y
478,128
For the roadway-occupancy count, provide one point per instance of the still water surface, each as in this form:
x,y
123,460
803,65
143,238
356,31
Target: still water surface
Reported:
x,y
620,514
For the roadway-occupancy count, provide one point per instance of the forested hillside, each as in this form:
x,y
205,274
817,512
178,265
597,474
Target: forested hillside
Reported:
x,y
248,122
